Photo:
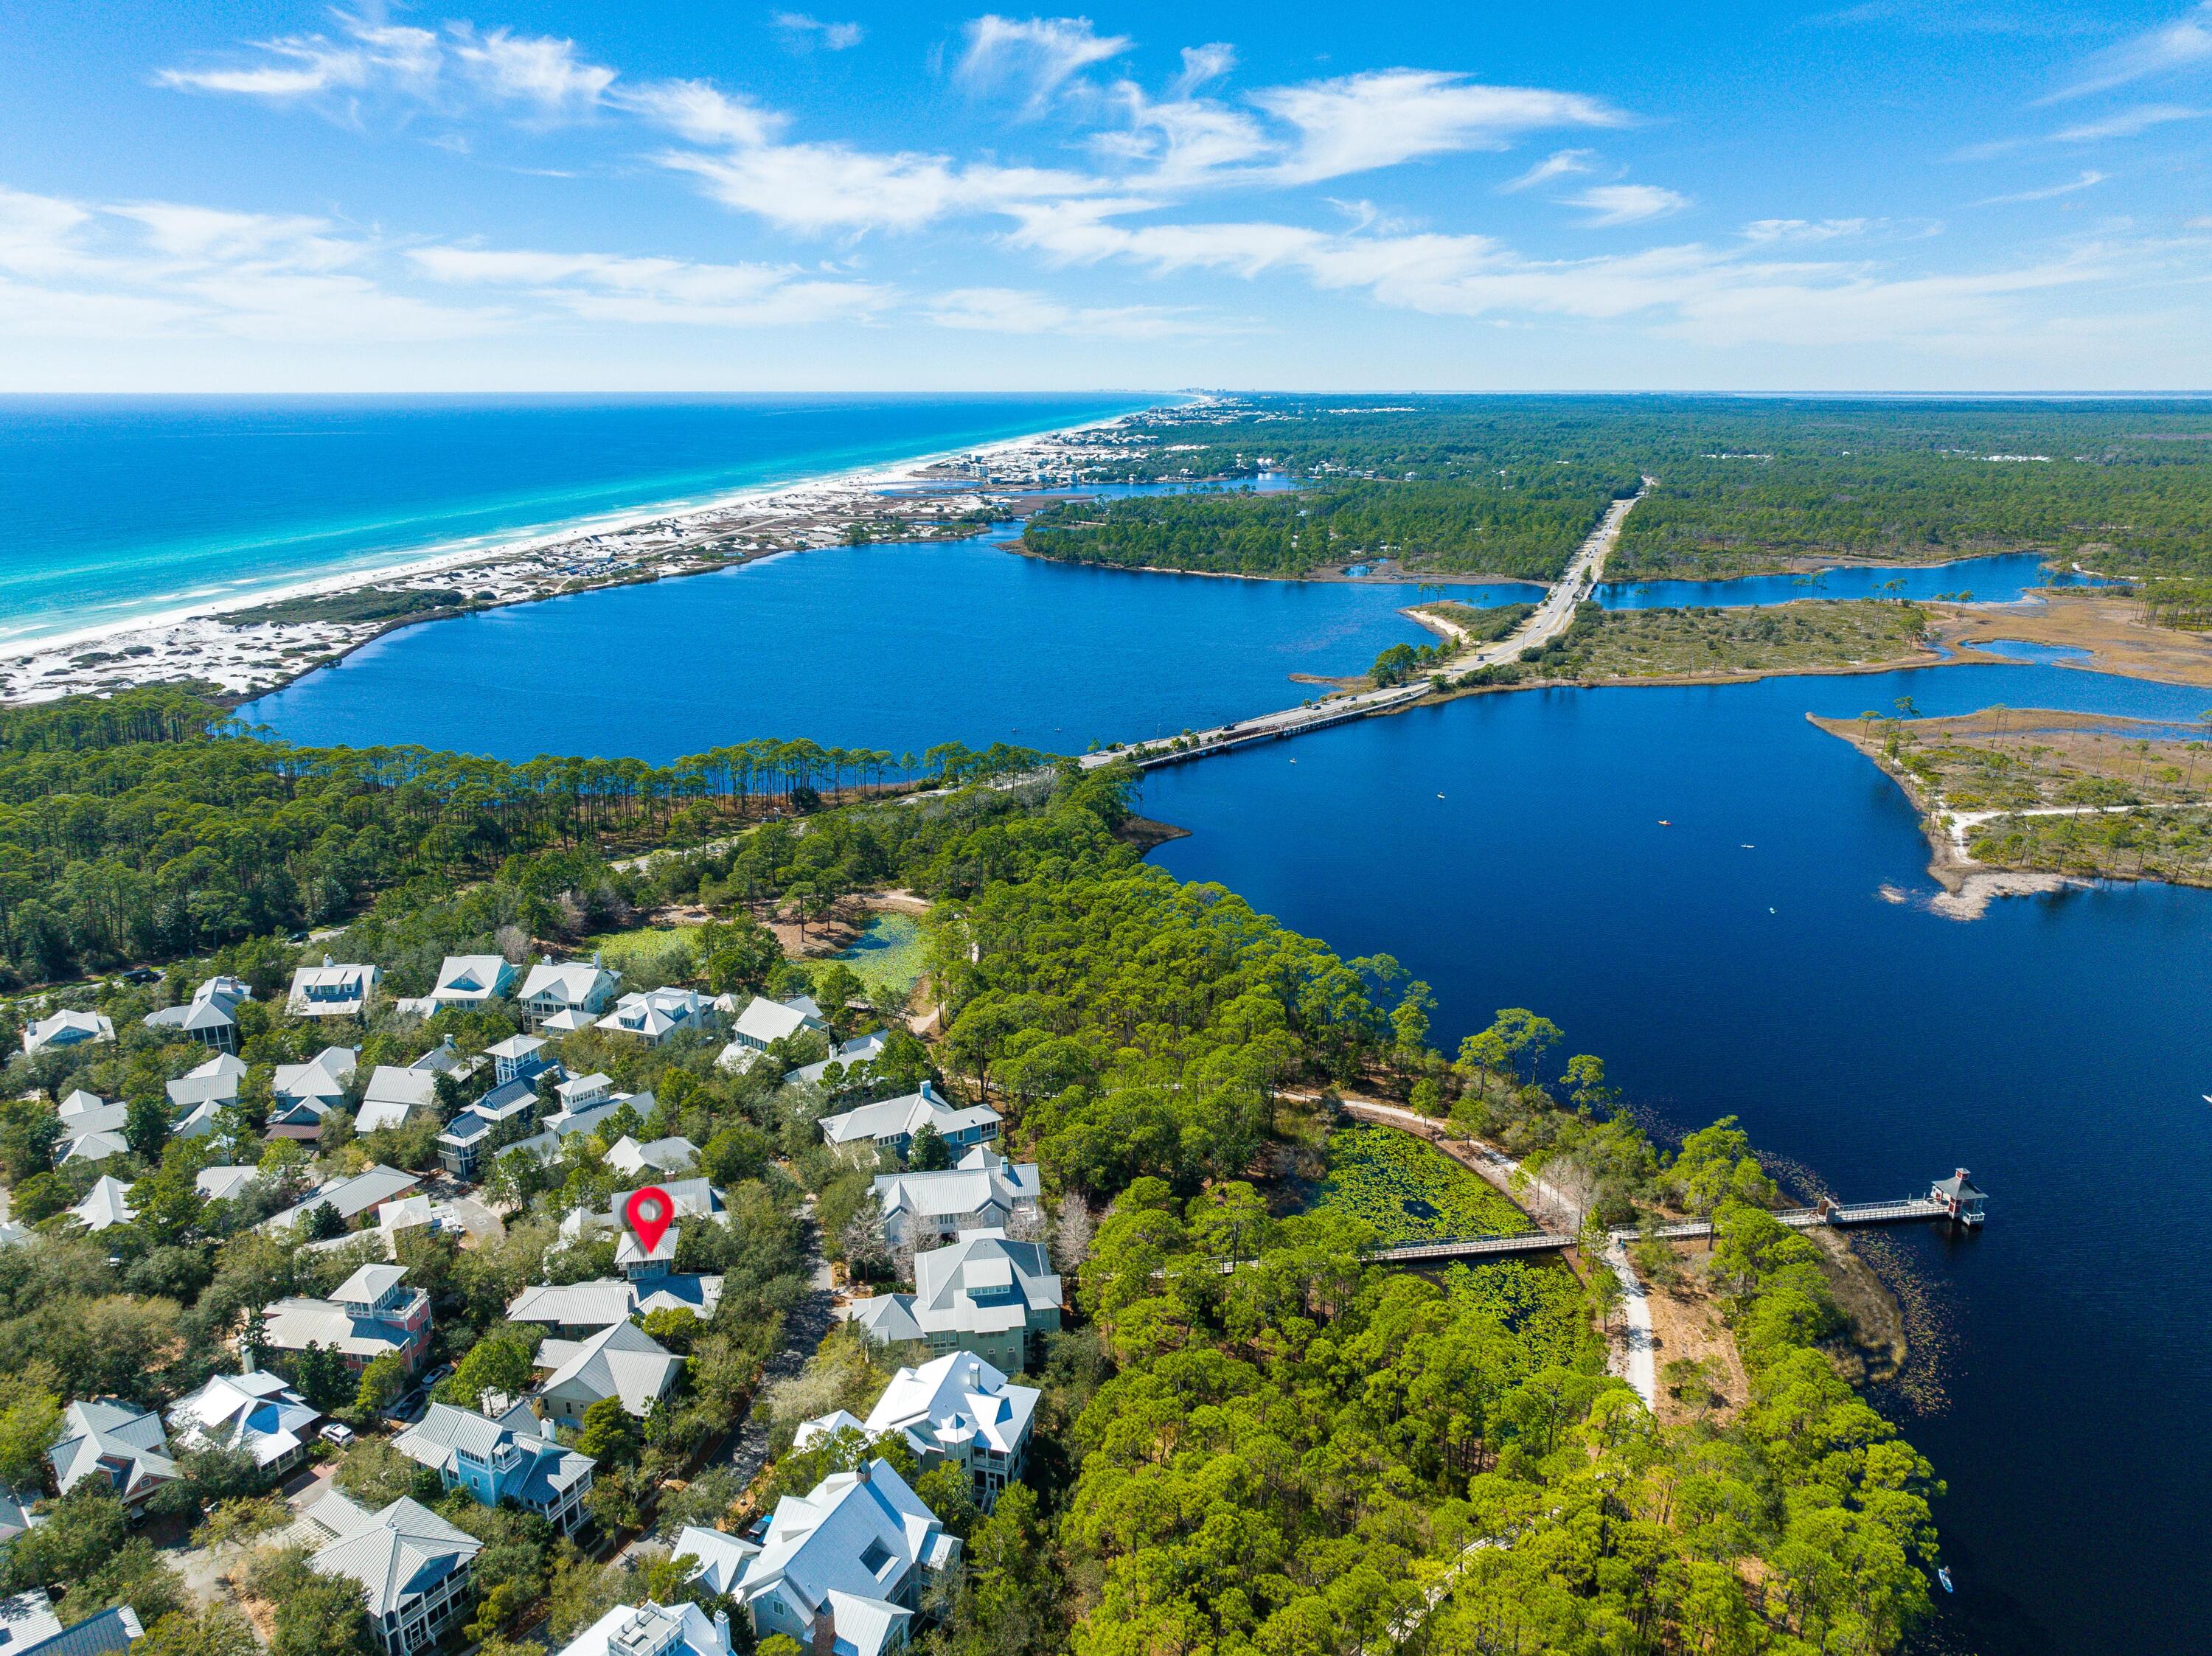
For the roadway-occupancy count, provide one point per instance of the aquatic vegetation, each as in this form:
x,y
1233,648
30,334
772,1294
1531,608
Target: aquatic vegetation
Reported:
x,y
888,954
1411,1192
1539,1302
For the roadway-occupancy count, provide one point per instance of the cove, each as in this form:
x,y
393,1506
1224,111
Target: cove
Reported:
x,y
2003,578
1744,960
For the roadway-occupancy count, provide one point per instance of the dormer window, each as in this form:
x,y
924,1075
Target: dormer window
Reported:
x,y
874,1556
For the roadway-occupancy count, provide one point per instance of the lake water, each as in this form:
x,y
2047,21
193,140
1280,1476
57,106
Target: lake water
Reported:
x,y
891,647
122,506
1746,961
2001,578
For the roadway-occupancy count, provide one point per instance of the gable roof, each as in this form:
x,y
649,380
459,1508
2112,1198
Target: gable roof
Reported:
x,y
621,1361
464,978
822,1541
670,1155
887,1319
764,1020
570,982
400,1553
895,1117
257,1412
370,1188
722,1558
981,1284
968,1188
28,1627
220,1184
445,1433
215,1081
107,1203
861,1049
101,1436
950,1401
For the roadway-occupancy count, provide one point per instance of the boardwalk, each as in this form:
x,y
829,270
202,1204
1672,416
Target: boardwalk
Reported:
x,y
1551,618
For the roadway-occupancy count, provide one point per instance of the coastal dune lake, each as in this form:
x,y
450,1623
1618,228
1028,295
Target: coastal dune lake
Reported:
x,y
1769,954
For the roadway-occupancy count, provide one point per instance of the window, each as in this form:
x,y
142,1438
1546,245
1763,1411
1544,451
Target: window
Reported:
x,y
874,1556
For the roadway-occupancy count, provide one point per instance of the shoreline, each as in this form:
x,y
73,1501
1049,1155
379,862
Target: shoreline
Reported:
x,y
199,641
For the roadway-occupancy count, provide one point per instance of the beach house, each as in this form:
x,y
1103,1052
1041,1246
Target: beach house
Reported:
x,y
655,1014
372,1312
471,980
106,1205
622,1361
654,1159
502,1453
332,991
124,1445
92,1130
653,1630
414,1568
985,1191
985,1293
29,1627
211,1017
580,989
956,1408
66,1029
764,1020
891,1123
860,1049
254,1413
199,1093
361,1193
844,1566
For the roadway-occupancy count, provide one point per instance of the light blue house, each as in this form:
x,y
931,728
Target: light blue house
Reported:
x,y
507,1455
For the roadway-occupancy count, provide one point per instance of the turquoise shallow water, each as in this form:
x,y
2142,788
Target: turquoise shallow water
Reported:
x,y
117,507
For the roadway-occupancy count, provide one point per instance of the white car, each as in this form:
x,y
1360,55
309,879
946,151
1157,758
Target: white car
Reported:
x,y
337,1432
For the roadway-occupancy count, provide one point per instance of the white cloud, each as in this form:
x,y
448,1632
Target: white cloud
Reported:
x,y
804,32
1035,57
373,59
2128,123
213,235
695,110
1801,230
2088,180
1360,122
531,68
1019,310
2181,44
1609,204
1201,65
818,187
1559,164
659,292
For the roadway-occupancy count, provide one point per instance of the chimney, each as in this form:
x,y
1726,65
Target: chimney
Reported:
x,y
928,1095
326,959
595,958
825,1642
722,1629
545,1430
865,1472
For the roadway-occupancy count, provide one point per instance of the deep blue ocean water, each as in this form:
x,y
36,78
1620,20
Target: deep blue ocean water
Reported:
x,y
1745,961
120,506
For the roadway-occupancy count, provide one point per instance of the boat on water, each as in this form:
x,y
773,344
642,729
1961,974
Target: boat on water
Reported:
x,y
1944,1576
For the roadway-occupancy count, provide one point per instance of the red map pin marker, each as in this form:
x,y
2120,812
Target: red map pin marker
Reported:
x,y
649,1211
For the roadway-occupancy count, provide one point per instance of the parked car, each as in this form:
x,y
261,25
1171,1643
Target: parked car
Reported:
x,y
337,1432
436,1374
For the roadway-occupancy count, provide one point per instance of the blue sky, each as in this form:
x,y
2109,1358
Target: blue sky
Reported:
x,y
1903,194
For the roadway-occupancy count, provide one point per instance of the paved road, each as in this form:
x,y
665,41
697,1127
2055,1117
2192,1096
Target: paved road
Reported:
x,y
1551,617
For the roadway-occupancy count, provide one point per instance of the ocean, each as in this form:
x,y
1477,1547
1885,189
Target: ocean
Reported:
x,y
120,508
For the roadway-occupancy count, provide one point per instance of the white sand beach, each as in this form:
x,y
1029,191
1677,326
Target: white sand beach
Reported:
x,y
225,643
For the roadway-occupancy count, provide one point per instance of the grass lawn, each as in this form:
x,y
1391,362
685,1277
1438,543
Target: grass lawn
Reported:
x,y
887,954
1410,1192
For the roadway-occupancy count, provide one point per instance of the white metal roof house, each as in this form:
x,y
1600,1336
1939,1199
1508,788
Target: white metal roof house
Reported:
x,y
210,1017
984,1191
198,1092
983,1294
854,1551
394,1094
301,1094
28,1627
892,1122
107,1203
331,990
655,1014
66,1029
956,1408
582,987
369,1189
861,1049
764,1020
256,1412
472,979
494,1119
103,1438
577,1311
372,1312
518,1057
92,1130
654,1157
413,1567
620,1361
651,1629
503,1453
222,1183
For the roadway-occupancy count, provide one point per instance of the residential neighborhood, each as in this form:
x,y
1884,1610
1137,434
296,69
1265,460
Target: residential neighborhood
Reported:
x,y
395,1145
